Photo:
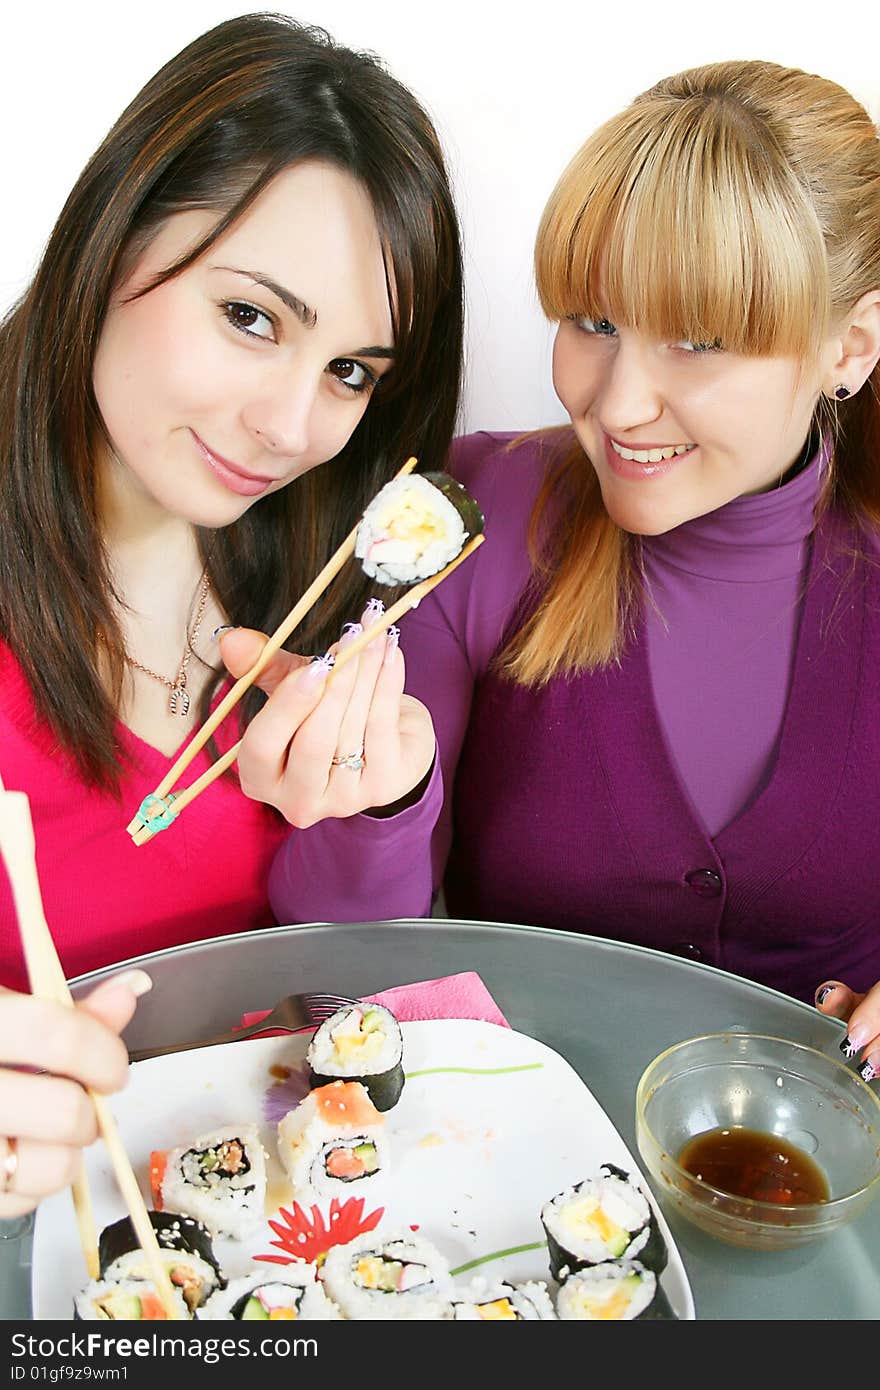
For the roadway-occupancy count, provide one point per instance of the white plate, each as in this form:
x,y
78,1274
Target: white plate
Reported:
x,y
491,1124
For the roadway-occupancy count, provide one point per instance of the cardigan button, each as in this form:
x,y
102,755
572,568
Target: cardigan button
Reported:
x,y
705,882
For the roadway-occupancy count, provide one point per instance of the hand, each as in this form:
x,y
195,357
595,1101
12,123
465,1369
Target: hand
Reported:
x,y
861,1013
46,1112
286,758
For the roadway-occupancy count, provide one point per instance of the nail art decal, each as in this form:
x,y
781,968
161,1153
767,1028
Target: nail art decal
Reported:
x,y
224,627
848,1047
824,993
867,1071
392,641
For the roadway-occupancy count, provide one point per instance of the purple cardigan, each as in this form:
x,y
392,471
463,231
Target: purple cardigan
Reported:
x,y
574,806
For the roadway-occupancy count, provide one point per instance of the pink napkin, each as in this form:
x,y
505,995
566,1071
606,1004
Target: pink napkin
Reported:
x,y
453,996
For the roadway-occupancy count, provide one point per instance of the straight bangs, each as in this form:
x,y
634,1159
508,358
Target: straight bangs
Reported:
x,y
680,219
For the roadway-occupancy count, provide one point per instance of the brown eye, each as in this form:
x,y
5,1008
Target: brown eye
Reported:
x,y
248,319
352,374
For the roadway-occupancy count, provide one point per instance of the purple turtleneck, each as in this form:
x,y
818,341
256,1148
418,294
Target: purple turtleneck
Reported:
x,y
725,593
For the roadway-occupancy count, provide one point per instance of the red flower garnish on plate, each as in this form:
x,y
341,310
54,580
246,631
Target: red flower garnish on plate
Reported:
x,y
308,1238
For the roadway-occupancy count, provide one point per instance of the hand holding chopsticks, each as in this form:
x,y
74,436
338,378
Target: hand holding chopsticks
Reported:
x,y
160,809
47,982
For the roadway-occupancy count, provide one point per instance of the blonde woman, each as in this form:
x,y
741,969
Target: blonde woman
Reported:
x,y
656,691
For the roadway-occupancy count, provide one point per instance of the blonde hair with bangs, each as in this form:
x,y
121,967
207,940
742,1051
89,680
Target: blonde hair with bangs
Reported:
x,y
737,202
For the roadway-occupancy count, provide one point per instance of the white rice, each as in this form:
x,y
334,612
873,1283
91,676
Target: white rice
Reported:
x,y
287,1286
592,1295
348,1269
305,1141
329,1056
227,1205
530,1301
408,532
86,1303
569,1219
133,1265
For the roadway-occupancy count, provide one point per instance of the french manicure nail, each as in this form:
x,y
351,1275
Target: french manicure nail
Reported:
x,y
224,627
350,632
853,1042
138,981
867,1071
392,641
317,670
373,611
824,992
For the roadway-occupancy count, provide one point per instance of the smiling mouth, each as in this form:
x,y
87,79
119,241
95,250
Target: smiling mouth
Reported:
x,y
656,455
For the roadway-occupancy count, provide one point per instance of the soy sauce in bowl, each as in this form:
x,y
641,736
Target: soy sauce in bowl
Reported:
x,y
759,1166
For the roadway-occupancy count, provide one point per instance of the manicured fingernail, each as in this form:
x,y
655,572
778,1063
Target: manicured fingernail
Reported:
x,y
392,641
854,1041
350,633
867,1071
373,611
224,627
138,981
823,993
317,670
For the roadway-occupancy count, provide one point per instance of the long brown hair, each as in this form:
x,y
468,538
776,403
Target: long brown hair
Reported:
x,y
740,202
210,130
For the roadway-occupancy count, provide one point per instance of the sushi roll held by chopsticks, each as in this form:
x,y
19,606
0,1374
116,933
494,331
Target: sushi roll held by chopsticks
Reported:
x,y
415,526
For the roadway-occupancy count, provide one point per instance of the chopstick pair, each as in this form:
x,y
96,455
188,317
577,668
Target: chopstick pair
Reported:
x,y
161,808
47,982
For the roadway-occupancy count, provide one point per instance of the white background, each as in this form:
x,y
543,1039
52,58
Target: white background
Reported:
x,y
514,90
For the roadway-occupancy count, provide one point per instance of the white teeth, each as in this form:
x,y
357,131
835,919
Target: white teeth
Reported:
x,y
649,455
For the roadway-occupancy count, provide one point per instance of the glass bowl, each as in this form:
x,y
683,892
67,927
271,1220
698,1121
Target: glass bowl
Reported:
x,y
781,1088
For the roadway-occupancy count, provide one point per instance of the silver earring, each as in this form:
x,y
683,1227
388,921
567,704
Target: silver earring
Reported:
x,y
841,392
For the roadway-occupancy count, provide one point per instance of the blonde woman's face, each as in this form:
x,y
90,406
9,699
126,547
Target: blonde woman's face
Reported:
x,y
257,362
676,430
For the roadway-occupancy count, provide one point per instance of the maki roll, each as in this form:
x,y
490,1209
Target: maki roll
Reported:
x,y
184,1246
504,1302
606,1217
414,526
220,1179
333,1140
621,1292
286,1294
361,1042
124,1300
396,1276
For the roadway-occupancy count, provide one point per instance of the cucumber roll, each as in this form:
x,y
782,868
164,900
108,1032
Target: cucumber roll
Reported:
x,y
414,526
184,1246
361,1042
390,1277
219,1178
332,1141
614,1292
124,1300
606,1217
287,1294
503,1302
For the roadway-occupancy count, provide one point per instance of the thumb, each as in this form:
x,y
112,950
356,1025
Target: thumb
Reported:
x,y
836,1000
114,1001
240,647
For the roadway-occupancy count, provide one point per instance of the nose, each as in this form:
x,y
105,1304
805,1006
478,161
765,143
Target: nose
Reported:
x,y
630,394
280,415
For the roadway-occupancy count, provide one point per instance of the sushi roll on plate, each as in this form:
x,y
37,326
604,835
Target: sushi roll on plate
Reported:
x,y
388,1277
500,1301
285,1294
219,1178
620,1291
184,1246
124,1300
333,1141
605,1217
360,1042
414,526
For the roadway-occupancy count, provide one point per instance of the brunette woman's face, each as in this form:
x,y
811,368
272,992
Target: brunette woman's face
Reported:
x,y
676,430
257,362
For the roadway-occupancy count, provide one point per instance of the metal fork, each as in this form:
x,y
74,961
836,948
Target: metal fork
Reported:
x,y
292,1013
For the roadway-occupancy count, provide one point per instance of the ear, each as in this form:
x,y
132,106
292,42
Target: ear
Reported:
x,y
853,352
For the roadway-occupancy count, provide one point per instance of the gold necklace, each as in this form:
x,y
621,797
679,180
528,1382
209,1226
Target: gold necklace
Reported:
x,y
179,700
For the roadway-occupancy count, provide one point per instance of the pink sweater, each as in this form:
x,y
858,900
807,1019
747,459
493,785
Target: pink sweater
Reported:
x,y
105,899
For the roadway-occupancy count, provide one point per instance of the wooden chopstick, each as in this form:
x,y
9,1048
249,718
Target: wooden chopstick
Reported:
x,y
278,638
410,599
47,982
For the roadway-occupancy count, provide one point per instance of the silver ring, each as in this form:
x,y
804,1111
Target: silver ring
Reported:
x,y
354,762
9,1166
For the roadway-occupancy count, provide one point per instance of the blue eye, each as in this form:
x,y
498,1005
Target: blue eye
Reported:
x,y
598,328
249,320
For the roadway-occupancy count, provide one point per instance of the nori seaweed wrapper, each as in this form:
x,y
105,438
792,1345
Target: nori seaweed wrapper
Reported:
x,y
383,1087
173,1232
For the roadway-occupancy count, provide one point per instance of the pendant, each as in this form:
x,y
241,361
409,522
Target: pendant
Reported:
x,y
179,702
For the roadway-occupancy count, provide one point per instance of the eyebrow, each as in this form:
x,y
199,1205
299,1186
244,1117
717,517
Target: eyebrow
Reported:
x,y
307,316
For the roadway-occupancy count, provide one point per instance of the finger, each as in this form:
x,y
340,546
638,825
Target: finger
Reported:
x,y
114,1001
68,1042
263,759
354,721
240,647
47,1108
836,1000
863,1031
41,1169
